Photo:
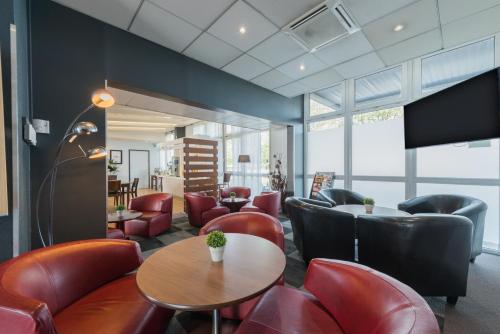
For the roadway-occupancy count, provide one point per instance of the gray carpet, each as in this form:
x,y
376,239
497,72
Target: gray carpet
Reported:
x,y
479,312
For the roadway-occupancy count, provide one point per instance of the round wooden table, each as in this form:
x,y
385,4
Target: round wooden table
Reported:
x,y
120,220
234,204
182,276
356,210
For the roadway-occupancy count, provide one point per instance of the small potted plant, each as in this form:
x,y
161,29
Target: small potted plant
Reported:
x,y
369,203
232,194
216,240
119,209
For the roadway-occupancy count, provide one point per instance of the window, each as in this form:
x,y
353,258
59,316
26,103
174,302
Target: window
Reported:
x,y
387,194
378,143
326,146
385,85
448,68
326,101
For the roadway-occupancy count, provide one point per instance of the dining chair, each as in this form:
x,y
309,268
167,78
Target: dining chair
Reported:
x,y
114,190
133,189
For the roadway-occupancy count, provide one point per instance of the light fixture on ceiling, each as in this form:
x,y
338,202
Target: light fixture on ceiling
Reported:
x,y
398,27
243,30
302,67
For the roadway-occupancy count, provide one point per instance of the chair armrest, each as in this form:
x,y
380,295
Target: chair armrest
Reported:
x,y
325,204
416,205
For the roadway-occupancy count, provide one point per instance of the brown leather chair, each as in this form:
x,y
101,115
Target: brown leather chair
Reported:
x,y
268,202
258,224
202,208
79,288
156,215
241,192
115,190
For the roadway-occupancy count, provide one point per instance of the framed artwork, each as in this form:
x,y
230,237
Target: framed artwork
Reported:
x,y
4,200
116,156
321,180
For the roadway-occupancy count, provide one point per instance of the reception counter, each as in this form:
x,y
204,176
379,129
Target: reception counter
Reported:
x,y
173,185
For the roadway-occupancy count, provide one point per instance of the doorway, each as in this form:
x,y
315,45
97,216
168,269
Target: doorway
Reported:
x,y
139,167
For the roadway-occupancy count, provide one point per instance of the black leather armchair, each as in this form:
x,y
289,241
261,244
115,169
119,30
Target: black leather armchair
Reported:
x,y
319,231
428,252
469,207
339,196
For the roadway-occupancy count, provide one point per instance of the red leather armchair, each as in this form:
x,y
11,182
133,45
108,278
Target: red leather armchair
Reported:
x,y
156,218
266,202
242,192
77,287
253,223
344,298
115,233
202,208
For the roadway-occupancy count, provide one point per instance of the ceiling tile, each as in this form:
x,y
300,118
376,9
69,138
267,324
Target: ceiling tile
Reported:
x,y
277,50
414,47
347,48
212,51
292,90
322,79
282,12
450,10
159,26
359,66
272,79
246,67
472,27
116,12
311,65
227,27
416,18
197,12
367,11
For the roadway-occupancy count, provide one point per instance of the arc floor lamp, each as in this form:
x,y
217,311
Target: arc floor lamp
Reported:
x,y
100,99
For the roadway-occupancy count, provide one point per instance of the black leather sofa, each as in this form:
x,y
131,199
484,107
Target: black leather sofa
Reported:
x,y
319,231
339,196
469,207
428,252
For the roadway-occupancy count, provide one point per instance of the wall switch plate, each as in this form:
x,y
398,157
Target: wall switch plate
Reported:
x,y
41,126
29,134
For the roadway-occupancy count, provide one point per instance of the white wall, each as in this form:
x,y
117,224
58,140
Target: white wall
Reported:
x,y
125,146
278,145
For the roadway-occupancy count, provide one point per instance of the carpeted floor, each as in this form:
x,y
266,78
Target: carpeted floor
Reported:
x,y
477,313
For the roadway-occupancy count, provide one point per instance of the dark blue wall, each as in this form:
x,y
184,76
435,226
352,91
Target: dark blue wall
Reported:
x,y
72,55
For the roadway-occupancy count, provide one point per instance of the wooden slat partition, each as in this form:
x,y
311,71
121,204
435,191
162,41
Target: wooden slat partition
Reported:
x,y
200,166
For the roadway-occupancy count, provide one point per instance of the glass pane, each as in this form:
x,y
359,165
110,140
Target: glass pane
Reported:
x,y
447,68
325,146
327,100
488,194
386,194
381,85
378,143
479,159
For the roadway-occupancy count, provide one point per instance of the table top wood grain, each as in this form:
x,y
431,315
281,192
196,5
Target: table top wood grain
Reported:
x,y
182,275
356,210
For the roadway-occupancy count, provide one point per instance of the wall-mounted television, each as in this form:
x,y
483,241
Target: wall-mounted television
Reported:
x,y
464,112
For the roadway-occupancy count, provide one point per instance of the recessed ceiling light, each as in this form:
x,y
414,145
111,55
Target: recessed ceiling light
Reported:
x,y
302,67
243,30
398,28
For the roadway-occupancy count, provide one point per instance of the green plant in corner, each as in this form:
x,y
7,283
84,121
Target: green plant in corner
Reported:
x,y
232,194
112,167
216,239
120,207
369,201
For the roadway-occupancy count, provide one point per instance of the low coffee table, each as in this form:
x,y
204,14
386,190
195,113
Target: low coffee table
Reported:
x,y
120,220
234,204
356,210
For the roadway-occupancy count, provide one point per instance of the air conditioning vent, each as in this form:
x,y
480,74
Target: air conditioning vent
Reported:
x,y
328,22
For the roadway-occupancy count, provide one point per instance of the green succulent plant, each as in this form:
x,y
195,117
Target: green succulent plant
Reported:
x,y
216,239
232,194
120,207
369,201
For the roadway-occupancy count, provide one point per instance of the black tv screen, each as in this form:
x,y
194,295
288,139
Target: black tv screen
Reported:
x,y
464,112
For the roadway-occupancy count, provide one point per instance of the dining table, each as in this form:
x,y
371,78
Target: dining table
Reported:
x,y
357,209
182,276
234,204
120,219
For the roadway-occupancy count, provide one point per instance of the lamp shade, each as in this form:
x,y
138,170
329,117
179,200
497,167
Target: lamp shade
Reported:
x,y
243,158
102,98
82,128
96,152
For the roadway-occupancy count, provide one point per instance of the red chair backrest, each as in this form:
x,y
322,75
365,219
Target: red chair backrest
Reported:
x,y
59,275
197,203
242,192
152,202
253,223
270,202
352,292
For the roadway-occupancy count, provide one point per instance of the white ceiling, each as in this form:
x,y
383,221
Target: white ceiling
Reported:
x,y
140,117
209,31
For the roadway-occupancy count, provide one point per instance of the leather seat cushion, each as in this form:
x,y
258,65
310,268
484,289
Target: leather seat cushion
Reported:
x,y
116,307
114,233
251,208
147,215
287,310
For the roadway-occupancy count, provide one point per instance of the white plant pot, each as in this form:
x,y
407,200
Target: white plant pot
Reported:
x,y
369,208
217,254
119,213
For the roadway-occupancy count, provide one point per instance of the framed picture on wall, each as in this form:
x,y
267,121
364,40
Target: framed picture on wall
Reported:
x,y
116,156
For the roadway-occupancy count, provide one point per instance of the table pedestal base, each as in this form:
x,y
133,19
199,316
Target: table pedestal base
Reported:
x,y
216,322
